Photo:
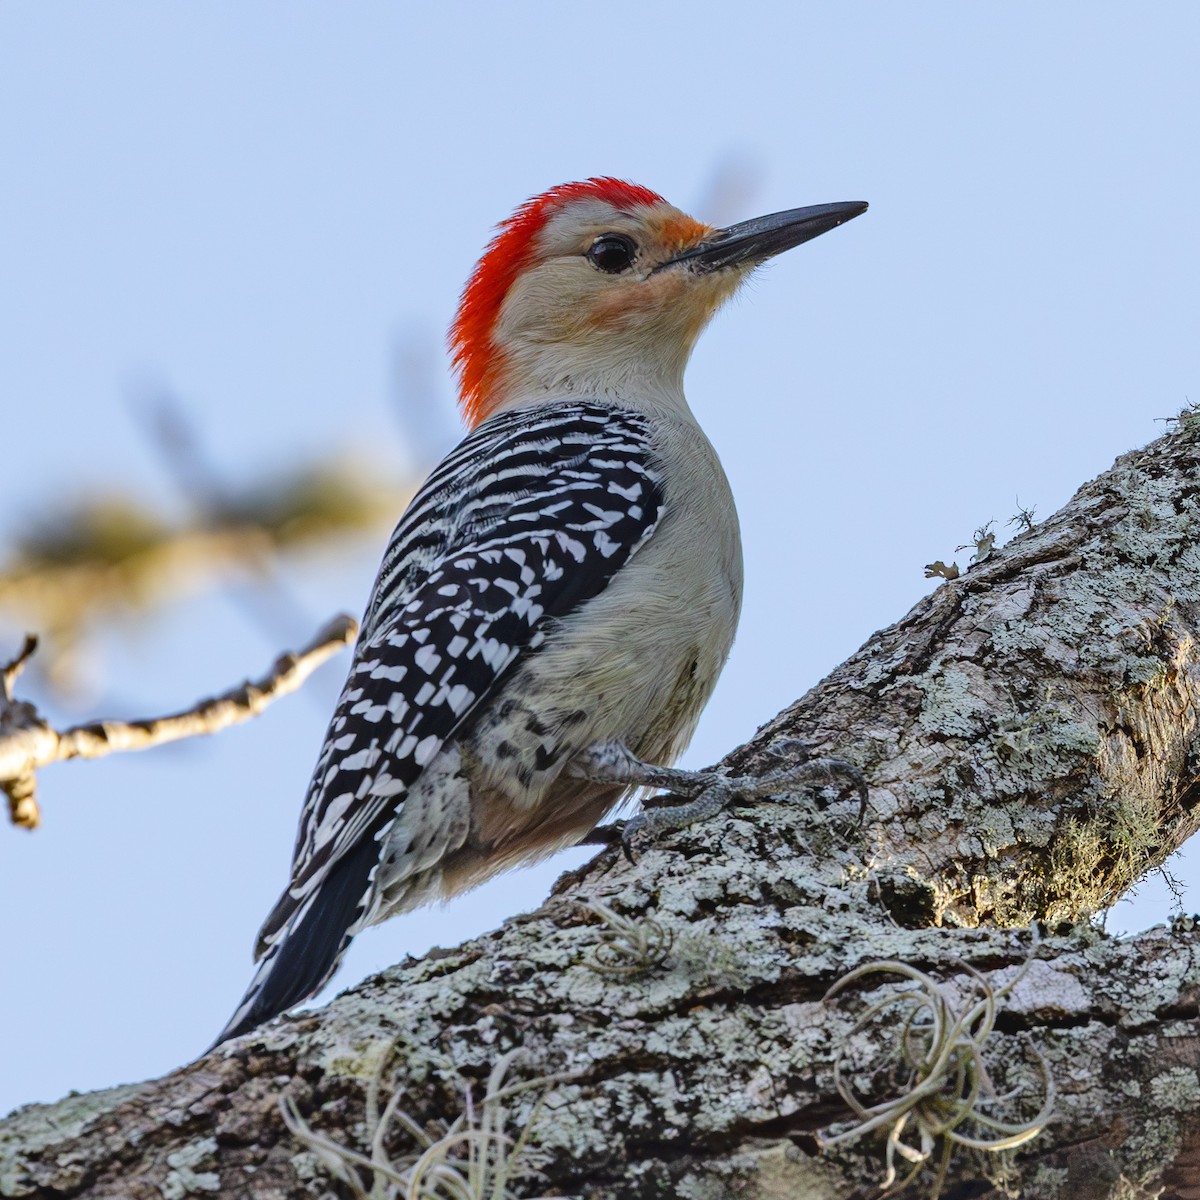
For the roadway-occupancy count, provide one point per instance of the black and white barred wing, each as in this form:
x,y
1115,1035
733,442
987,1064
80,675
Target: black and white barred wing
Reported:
x,y
527,519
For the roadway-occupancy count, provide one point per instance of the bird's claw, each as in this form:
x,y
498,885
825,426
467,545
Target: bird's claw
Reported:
x,y
712,794
718,792
633,827
792,748
836,771
604,835
817,770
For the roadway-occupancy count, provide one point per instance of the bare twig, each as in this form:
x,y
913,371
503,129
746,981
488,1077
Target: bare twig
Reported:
x,y
1024,517
27,742
170,428
8,677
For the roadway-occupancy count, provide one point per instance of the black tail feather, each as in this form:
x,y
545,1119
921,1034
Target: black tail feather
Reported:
x,y
304,959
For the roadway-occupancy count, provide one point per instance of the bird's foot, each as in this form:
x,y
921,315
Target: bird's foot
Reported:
x,y
706,792
817,772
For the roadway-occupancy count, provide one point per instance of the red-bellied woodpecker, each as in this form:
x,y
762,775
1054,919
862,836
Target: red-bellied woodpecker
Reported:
x,y
555,606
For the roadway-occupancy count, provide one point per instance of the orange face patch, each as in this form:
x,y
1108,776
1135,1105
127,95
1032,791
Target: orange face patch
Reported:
x,y
677,231
621,305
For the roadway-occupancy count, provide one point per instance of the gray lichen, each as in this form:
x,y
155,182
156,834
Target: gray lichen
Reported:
x,y
187,1175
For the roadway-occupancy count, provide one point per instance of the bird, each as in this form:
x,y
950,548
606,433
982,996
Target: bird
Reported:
x,y
555,605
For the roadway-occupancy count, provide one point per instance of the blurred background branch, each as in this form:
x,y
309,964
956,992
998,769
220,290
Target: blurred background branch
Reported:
x,y
110,553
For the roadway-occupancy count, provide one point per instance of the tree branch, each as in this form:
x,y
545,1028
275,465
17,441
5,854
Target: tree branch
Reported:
x,y
1029,734
27,742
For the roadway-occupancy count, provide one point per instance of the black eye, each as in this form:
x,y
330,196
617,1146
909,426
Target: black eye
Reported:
x,y
613,253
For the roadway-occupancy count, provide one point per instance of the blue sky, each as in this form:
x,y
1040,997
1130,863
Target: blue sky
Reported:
x,y
253,203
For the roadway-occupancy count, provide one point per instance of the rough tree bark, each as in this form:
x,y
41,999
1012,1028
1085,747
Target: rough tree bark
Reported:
x,y
1029,735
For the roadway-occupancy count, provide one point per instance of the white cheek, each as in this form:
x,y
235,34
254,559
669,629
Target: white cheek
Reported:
x,y
548,303
565,326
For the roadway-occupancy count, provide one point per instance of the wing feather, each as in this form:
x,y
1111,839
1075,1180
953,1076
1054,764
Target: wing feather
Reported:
x,y
529,517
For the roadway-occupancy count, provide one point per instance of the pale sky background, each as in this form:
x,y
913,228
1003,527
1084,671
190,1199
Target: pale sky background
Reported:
x,y
253,203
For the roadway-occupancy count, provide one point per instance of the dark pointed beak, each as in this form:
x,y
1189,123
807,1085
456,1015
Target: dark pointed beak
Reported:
x,y
753,242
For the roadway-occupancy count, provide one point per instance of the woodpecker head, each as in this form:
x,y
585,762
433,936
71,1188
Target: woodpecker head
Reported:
x,y
597,283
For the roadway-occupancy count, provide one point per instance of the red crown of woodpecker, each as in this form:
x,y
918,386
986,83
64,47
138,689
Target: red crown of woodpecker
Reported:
x,y
477,358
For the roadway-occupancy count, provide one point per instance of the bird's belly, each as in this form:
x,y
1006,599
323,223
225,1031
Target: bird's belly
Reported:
x,y
496,797
636,665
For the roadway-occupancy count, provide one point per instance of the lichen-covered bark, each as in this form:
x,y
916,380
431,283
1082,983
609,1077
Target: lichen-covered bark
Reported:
x,y
1027,732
